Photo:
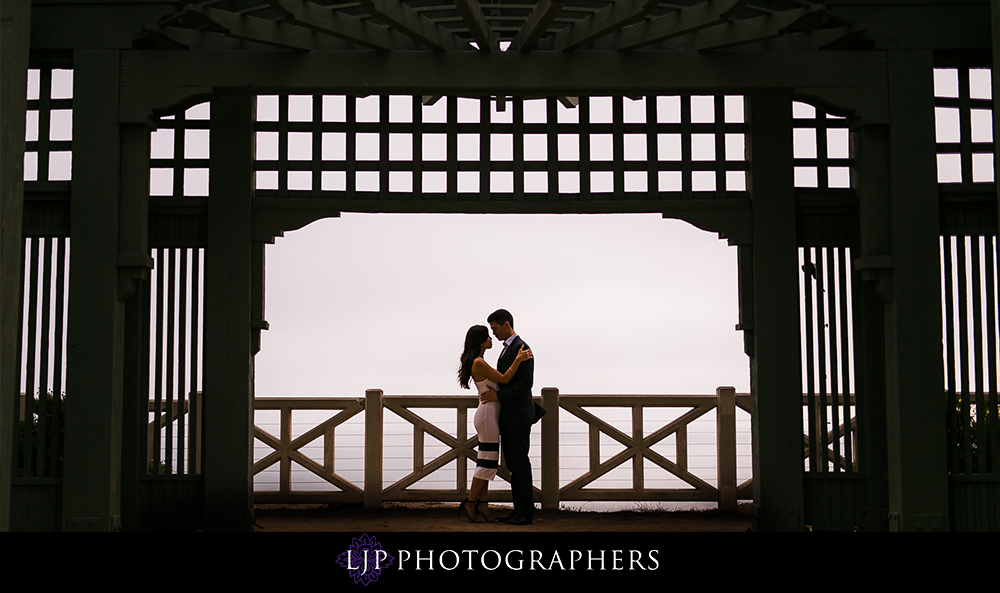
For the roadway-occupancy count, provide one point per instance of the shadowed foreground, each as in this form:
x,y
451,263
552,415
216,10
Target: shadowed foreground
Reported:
x,y
436,517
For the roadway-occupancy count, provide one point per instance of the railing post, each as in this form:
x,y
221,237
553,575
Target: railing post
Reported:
x,y
373,448
726,439
550,448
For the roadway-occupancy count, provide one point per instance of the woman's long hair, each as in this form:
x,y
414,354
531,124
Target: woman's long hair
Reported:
x,y
474,339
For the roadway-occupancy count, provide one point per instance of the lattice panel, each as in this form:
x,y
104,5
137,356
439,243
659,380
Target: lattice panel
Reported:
x,y
42,357
482,149
970,321
179,150
963,109
821,149
175,374
48,151
827,330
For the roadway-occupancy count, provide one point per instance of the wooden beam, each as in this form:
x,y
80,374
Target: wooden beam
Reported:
x,y
253,28
753,29
322,19
475,20
678,23
408,21
535,25
604,21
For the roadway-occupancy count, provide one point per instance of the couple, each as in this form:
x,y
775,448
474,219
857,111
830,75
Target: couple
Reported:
x,y
505,415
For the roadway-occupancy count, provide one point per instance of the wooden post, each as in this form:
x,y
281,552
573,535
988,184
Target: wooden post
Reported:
x,y
228,362
134,264
725,427
870,150
15,41
373,448
918,469
95,345
775,375
550,448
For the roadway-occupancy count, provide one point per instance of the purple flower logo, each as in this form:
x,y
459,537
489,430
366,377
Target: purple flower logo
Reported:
x,y
365,559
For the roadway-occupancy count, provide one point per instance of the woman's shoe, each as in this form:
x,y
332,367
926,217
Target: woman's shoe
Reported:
x,y
470,512
483,508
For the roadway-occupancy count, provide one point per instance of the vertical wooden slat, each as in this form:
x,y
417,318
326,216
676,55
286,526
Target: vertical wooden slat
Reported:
x,y
451,129
194,417
719,103
584,138
821,358
462,436
485,146
383,145
833,288
976,463
682,447
30,402
963,355
179,125
965,124
518,148
652,158
949,341
686,149
594,441
638,482
60,343
44,121
43,367
182,338
351,146
991,432
618,139
153,454
285,480
418,447
316,128
552,150
822,162
808,275
417,110
170,362
282,146
847,337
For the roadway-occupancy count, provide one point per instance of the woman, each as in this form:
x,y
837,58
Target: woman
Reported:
x,y
472,365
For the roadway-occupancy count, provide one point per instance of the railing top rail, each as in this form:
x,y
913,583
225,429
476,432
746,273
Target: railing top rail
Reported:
x,y
306,403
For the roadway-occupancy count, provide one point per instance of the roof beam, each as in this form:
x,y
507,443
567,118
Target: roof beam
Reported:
x,y
251,28
406,20
604,21
753,29
677,23
535,25
475,20
335,23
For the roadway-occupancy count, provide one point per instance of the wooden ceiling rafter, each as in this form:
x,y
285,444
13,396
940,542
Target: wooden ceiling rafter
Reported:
x,y
553,25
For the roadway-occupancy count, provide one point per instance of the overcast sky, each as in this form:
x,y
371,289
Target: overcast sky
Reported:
x,y
608,304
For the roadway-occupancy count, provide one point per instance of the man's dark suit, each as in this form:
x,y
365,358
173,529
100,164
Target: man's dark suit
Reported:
x,y
517,414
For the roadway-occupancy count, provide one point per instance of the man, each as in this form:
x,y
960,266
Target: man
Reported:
x,y
517,414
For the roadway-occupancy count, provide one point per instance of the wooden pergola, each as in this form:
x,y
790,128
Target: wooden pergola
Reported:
x,y
875,219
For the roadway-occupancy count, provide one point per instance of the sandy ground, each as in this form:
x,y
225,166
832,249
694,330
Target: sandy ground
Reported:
x,y
435,517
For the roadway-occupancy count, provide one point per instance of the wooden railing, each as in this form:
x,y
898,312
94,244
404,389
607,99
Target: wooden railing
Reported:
x,y
639,448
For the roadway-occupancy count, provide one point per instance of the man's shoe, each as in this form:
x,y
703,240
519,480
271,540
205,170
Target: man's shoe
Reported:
x,y
513,519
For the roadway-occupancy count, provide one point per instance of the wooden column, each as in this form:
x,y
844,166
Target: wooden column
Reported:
x,y
92,476
373,448
726,446
918,471
134,264
775,367
228,359
14,41
870,150
550,448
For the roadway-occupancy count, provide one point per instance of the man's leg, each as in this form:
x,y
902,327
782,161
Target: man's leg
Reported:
x,y
515,440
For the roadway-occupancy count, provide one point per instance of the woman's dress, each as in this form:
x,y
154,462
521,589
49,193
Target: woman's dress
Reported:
x,y
488,428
